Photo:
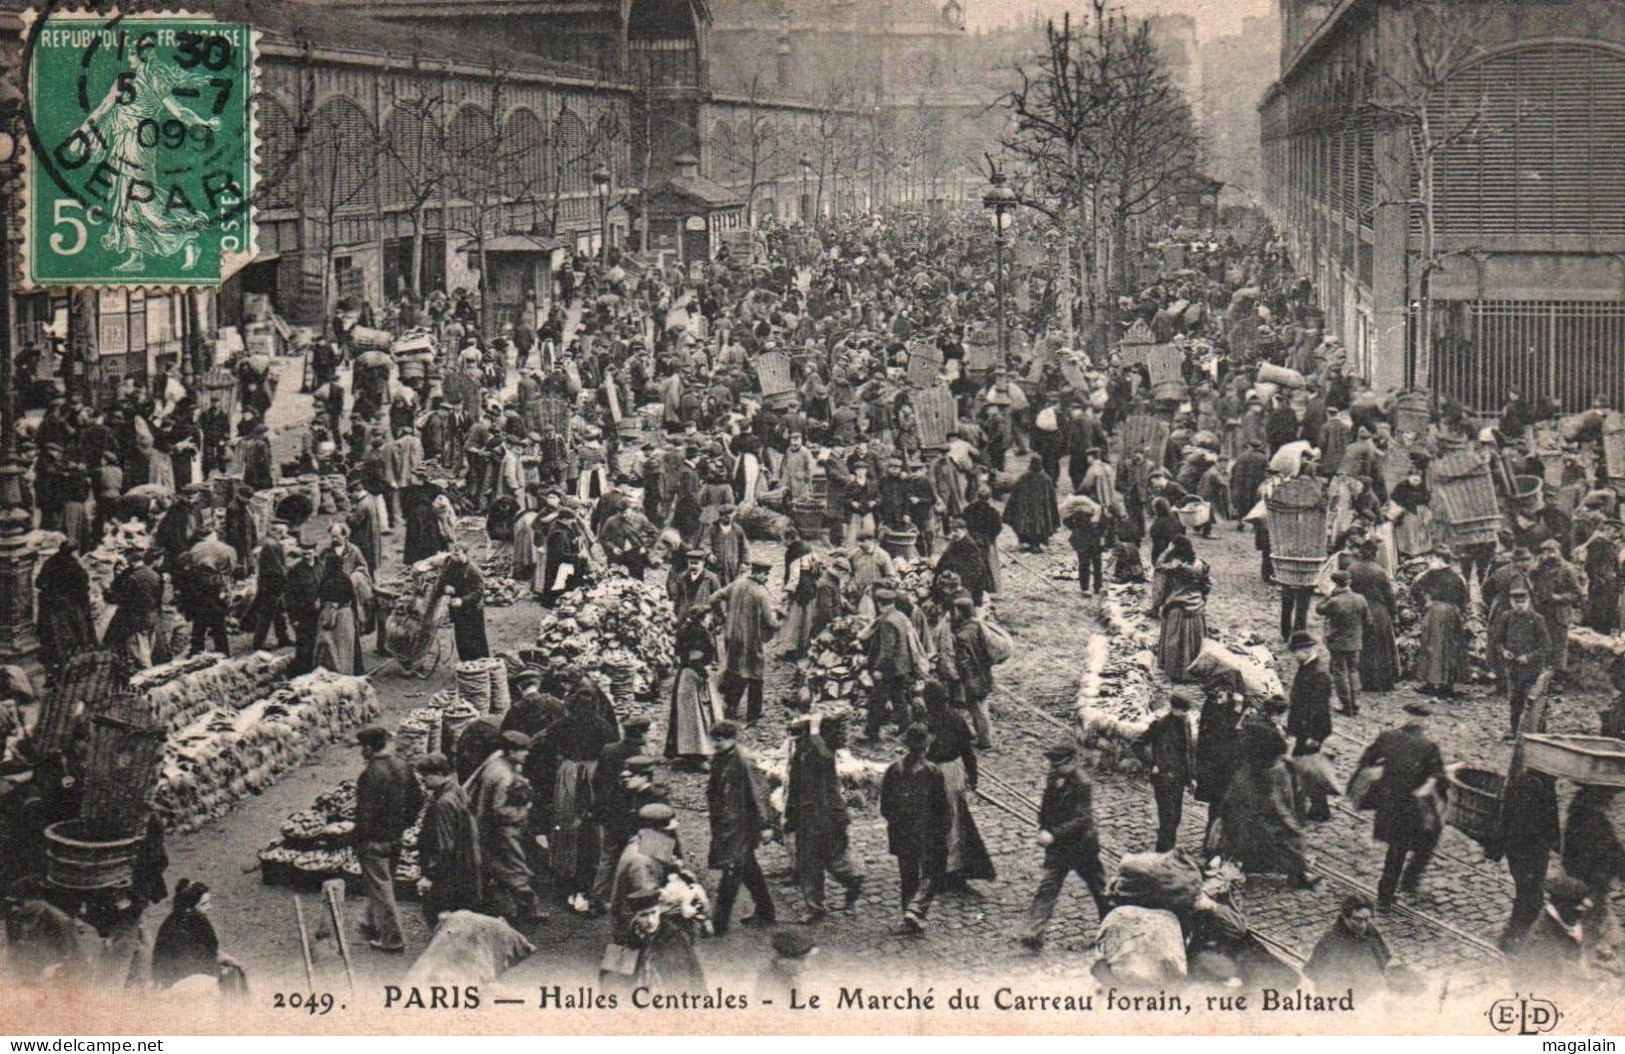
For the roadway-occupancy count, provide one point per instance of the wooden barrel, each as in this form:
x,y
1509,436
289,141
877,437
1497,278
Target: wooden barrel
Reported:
x,y
1464,499
1297,527
1412,414
808,516
76,858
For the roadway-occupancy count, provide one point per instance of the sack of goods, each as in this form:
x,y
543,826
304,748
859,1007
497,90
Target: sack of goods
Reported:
x,y
1169,881
630,618
1142,946
229,752
179,693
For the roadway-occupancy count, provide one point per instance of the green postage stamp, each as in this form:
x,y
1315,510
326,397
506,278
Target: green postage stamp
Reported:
x,y
140,163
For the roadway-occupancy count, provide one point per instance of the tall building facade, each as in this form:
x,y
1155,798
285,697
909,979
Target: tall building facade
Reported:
x,y
1483,248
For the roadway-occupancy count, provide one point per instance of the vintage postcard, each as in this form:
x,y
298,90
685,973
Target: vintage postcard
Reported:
x,y
756,518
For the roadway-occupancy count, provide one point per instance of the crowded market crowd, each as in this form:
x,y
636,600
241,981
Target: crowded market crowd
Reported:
x,y
810,456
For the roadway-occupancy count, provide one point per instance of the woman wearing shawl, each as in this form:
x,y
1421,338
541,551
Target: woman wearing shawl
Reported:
x,y
342,587
1379,655
1182,603
1443,660
1031,511
693,702
64,624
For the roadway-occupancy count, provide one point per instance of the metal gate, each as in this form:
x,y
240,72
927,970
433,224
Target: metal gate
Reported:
x,y
1572,351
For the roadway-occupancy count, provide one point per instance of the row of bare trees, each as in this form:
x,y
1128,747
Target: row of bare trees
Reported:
x,y
1100,141
855,143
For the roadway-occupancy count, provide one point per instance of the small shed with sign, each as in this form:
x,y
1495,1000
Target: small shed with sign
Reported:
x,y
522,267
692,215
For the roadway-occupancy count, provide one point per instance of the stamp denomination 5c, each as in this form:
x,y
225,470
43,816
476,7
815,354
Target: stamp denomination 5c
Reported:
x,y
141,149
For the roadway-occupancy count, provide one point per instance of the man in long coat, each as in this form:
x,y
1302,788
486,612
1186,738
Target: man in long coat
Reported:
x,y
500,798
914,803
448,844
815,812
64,624
742,817
749,621
1408,759
1558,593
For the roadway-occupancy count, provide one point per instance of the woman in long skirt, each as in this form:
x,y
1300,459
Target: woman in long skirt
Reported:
x,y
1443,660
343,586
1379,654
1182,602
953,752
688,725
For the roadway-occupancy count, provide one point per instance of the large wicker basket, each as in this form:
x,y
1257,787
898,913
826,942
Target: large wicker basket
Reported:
x,y
1464,498
1595,760
1297,526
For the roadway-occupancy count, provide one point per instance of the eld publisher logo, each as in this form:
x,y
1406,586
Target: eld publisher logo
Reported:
x,y
1523,1015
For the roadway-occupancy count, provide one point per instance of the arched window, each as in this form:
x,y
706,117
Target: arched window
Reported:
x,y
339,156
524,148
1547,145
277,187
472,143
572,152
413,159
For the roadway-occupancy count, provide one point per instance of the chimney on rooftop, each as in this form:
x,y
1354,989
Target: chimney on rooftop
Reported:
x,y
688,166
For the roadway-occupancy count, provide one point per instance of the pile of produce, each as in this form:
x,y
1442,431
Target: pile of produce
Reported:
x,y
497,567
180,692
419,733
315,845
619,623
836,665
230,752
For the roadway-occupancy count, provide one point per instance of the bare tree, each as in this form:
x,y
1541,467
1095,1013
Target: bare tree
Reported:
x,y
340,168
1101,137
415,162
1418,93
752,146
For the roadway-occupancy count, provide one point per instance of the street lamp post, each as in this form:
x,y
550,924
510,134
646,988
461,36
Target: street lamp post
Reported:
x,y
906,166
600,182
1001,201
18,644
806,170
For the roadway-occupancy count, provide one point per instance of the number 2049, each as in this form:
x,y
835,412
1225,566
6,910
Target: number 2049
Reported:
x,y
312,1003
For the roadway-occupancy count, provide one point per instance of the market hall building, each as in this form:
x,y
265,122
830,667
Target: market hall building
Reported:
x,y
1518,281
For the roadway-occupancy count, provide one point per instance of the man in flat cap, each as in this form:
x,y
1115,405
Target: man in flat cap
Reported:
x,y
729,547
786,972
742,817
449,844
501,801
897,661
1521,639
694,584
1166,749
1070,840
1344,612
1558,593
387,800
749,622
915,805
